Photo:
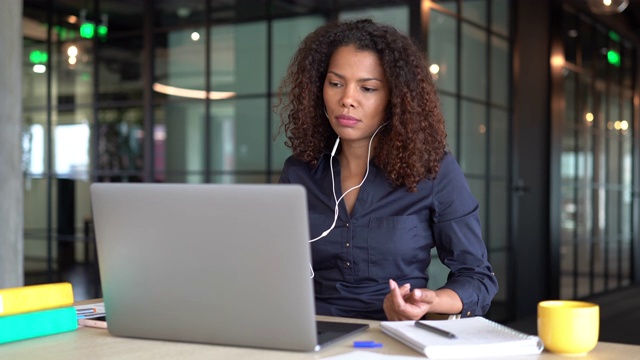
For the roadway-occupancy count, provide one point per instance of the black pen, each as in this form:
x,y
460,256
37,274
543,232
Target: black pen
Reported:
x,y
434,329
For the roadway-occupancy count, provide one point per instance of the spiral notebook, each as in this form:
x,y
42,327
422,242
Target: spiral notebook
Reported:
x,y
475,337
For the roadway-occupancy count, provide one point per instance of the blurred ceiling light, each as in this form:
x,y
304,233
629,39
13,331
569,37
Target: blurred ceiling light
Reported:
x,y
624,124
39,68
190,93
72,19
72,60
434,69
573,33
195,36
589,117
72,51
607,7
616,125
557,60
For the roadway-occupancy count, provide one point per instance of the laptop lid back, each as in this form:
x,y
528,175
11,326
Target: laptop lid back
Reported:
x,y
207,263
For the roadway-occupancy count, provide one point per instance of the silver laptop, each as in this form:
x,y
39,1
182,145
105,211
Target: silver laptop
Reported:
x,y
205,263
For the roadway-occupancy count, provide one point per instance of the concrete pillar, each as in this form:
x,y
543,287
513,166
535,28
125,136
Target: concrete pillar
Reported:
x,y
11,193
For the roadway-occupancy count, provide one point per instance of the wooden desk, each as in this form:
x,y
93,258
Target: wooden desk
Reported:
x,y
92,343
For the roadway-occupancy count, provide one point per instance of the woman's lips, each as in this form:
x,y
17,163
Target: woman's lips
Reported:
x,y
346,120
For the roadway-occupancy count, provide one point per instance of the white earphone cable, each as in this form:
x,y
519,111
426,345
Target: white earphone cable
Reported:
x,y
336,210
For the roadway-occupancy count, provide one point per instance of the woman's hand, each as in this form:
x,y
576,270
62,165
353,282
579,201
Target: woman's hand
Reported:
x,y
403,304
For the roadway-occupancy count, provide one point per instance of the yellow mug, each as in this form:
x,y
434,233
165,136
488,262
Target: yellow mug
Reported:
x,y
568,327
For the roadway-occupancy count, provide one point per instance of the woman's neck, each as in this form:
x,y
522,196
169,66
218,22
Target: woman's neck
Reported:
x,y
354,157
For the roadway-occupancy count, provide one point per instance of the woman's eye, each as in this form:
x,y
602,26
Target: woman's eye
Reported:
x,y
334,84
368,89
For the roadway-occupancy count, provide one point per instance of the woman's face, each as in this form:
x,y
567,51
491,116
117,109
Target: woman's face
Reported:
x,y
355,93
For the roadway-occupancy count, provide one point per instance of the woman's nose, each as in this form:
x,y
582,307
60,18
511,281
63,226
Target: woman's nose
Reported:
x,y
348,98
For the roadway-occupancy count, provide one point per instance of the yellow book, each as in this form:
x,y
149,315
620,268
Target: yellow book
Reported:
x,y
20,300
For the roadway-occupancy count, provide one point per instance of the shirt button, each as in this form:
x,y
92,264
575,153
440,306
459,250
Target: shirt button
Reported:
x,y
347,224
348,264
468,313
347,244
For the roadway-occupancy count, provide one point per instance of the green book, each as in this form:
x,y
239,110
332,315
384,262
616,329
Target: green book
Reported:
x,y
37,323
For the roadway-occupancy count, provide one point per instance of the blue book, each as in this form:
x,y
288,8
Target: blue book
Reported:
x,y
37,323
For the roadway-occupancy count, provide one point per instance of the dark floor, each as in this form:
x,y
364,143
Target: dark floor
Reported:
x,y
619,316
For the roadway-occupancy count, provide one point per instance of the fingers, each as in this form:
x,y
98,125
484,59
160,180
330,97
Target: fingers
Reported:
x,y
395,300
400,303
399,292
422,295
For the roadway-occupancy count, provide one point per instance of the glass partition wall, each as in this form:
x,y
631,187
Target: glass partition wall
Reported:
x,y
470,49
596,202
160,91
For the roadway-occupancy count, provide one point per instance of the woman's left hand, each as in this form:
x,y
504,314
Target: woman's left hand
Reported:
x,y
403,304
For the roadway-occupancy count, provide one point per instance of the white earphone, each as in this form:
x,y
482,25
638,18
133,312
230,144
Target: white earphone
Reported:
x,y
333,186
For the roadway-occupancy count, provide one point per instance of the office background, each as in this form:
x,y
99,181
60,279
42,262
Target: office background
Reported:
x,y
540,101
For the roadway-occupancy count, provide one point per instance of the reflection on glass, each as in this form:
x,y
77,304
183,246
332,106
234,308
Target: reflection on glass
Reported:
x,y
498,221
474,62
120,68
179,63
473,142
613,214
238,58
478,189
499,147
35,221
33,150
450,113
568,210
500,68
437,272
500,16
451,5
72,72
279,152
567,263
34,78
71,151
249,126
184,140
475,11
120,144
442,50
286,35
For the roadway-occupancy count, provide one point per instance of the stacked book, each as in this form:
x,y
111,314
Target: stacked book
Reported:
x,y
36,310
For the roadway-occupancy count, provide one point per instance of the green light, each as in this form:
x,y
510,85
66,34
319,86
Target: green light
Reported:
x,y
87,30
613,57
102,31
38,57
614,36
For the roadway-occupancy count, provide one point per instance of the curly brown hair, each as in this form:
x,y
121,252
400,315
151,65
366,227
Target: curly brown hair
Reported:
x,y
411,147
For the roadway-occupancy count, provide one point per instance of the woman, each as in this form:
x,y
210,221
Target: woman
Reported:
x,y
361,116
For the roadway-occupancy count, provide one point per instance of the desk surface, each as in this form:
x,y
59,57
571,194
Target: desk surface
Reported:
x,y
92,343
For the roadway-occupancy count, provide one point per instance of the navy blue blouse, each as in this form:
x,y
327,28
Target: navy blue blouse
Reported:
x,y
389,235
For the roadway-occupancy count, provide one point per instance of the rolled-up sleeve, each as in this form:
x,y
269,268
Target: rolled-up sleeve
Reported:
x,y
458,238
